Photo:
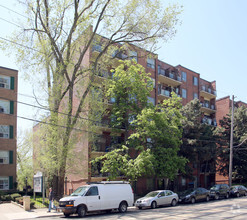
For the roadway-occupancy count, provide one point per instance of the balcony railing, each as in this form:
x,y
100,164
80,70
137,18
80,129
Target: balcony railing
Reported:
x,y
169,75
209,121
207,105
208,90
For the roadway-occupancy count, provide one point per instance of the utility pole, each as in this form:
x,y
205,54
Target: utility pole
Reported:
x,y
231,145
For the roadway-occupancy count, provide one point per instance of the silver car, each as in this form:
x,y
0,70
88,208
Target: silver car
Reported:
x,y
157,198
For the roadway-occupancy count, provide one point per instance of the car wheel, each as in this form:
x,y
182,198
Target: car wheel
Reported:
x,y
66,215
193,200
174,202
207,199
245,193
153,205
122,207
227,195
237,194
139,207
216,197
82,211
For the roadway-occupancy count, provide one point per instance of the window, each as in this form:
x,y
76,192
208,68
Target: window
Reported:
x,y
195,95
133,55
4,157
4,131
153,82
151,100
162,194
184,76
195,81
6,107
151,63
184,93
4,82
168,193
93,191
4,183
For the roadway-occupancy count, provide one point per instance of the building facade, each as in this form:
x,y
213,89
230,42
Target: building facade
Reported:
x,y
8,127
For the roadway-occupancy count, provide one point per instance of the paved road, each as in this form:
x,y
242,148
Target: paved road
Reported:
x,y
234,208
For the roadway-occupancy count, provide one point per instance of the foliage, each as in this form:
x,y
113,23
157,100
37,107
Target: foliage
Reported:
x,y
199,140
239,143
60,36
24,159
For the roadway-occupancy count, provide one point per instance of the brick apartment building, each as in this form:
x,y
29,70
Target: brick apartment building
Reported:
x,y
8,123
167,78
224,106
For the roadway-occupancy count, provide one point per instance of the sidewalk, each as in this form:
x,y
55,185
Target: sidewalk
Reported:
x,y
9,211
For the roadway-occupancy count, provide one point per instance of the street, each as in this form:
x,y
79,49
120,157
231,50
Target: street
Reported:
x,y
233,208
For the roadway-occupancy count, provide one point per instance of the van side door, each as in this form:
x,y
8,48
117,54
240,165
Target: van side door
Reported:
x,y
93,199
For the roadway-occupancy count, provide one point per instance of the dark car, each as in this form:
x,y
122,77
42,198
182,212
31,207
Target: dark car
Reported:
x,y
238,190
220,191
193,195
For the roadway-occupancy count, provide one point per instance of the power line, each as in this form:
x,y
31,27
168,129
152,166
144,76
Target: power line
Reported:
x,y
10,22
13,11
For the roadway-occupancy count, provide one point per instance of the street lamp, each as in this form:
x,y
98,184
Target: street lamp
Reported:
x,y
26,185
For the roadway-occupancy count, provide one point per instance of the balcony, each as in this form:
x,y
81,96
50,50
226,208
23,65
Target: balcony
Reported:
x,y
163,94
101,76
209,121
207,92
207,108
170,78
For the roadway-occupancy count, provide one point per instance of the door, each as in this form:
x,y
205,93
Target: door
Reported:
x,y
169,196
93,199
161,198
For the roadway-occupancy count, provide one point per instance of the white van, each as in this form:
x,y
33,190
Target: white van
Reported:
x,y
97,196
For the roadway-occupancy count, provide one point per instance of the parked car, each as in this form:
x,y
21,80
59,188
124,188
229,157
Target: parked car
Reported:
x,y
194,195
97,196
238,190
157,198
220,191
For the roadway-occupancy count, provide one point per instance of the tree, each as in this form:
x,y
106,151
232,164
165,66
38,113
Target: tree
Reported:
x,y
24,159
55,43
239,144
199,140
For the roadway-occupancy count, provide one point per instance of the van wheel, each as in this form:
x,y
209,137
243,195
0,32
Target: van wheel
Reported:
x,y
139,207
66,215
122,207
207,199
174,202
216,197
82,211
227,195
153,205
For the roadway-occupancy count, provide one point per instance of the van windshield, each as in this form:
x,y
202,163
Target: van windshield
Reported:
x,y
80,191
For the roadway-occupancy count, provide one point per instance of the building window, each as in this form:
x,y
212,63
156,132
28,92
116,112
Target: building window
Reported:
x,y
5,157
6,107
4,82
195,81
133,55
151,100
4,131
195,95
4,183
151,63
153,82
184,93
184,76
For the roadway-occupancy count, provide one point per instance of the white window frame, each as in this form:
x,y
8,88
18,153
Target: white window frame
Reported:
x,y
4,106
184,93
195,95
151,100
184,76
4,157
151,63
195,81
4,183
5,82
4,130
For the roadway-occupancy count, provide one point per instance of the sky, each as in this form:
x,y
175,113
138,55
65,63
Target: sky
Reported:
x,y
211,40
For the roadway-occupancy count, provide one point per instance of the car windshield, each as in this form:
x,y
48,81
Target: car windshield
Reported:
x,y
80,191
152,194
233,187
215,187
186,192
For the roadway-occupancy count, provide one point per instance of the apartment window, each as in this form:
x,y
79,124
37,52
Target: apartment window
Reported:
x,y
6,81
151,100
153,82
151,63
184,93
6,107
184,76
133,55
195,95
6,131
195,81
4,183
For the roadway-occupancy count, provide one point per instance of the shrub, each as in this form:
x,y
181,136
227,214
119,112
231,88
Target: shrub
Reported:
x,y
6,198
14,196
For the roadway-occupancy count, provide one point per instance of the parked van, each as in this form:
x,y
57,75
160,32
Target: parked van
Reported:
x,y
97,196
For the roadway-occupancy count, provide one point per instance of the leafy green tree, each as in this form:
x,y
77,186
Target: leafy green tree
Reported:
x,y
239,143
24,159
55,44
199,140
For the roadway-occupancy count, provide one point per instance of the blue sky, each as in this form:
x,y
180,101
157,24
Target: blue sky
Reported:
x,y
212,41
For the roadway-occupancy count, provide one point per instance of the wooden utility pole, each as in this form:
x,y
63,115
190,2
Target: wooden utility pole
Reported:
x,y
231,145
